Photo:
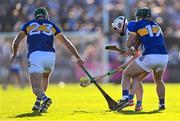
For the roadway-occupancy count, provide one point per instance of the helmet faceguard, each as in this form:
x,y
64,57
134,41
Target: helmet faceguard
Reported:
x,y
119,25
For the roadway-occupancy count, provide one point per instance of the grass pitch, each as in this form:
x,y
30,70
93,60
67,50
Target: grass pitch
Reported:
x,y
73,102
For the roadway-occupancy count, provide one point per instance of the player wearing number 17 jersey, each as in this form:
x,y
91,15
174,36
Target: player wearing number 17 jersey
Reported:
x,y
40,33
154,57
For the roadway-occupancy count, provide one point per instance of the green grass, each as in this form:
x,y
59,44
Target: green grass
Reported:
x,y
76,103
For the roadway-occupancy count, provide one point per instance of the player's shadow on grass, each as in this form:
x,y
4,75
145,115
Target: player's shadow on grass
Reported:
x,y
81,111
33,114
131,112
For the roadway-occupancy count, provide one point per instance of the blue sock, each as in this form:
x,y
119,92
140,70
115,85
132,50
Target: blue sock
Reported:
x,y
161,101
131,97
125,94
138,103
43,97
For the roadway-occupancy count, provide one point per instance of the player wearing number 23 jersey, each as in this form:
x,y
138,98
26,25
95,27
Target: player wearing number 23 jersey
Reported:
x,y
40,38
40,35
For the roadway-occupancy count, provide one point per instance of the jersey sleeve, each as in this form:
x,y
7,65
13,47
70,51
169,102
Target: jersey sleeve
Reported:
x,y
132,28
57,30
23,28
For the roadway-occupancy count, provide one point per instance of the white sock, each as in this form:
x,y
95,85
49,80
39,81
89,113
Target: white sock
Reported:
x,y
125,97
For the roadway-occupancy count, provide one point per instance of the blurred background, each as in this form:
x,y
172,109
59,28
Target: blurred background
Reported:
x,y
87,23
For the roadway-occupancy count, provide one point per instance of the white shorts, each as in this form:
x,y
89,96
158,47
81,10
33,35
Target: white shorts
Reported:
x,y
157,62
41,62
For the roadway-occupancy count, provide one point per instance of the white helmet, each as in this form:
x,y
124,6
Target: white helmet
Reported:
x,y
119,23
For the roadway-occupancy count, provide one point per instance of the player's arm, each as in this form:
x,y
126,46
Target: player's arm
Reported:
x,y
120,68
131,40
16,42
68,44
132,44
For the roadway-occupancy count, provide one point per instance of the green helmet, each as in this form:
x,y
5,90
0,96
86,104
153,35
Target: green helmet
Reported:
x,y
143,13
41,11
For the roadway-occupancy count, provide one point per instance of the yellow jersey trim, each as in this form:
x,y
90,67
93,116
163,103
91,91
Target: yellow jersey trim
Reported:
x,y
142,32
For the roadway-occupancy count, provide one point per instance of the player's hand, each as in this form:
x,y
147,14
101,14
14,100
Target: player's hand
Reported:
x,y
127,53
12,58
80,61
121,68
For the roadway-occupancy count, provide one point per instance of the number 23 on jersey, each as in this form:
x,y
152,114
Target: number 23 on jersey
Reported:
x,y
36,28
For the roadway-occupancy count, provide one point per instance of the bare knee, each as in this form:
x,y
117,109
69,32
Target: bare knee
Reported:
x,y
126,74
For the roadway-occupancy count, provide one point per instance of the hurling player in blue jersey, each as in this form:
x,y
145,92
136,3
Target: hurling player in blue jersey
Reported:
x,y
40,33
154,57
122,27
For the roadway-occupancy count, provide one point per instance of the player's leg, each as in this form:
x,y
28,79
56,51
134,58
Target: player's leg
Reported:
x,y
38,90
48,66
131,71
139,98
138,90
158,73
160,88
36,70
36,82
45,80
35,79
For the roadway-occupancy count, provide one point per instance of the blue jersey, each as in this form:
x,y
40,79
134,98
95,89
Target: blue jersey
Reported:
x,y
130,26
151,37
40,35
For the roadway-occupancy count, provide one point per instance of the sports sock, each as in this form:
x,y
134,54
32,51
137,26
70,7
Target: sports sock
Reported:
x,y
38,101
131,97
138,103
161,102
43,97
125,94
